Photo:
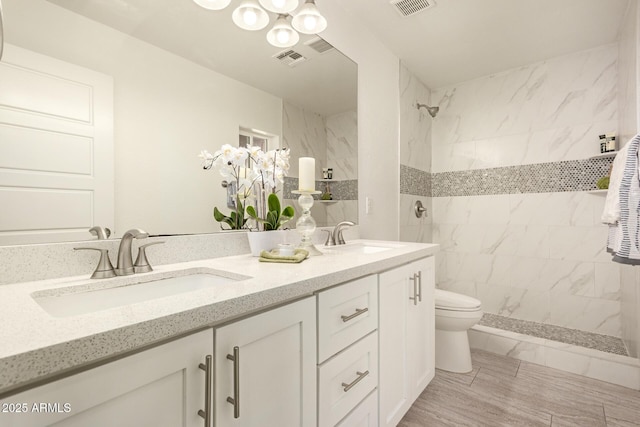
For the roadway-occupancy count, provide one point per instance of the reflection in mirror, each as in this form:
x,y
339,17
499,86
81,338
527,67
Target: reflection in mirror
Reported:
x,y
184,79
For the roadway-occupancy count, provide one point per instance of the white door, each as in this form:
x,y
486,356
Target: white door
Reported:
x,y
160,387
266,368
56,149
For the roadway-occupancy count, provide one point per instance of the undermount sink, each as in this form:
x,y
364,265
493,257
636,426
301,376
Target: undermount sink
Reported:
x,y
362,248
88,301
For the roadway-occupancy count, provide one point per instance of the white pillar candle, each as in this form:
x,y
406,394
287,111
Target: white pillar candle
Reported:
x,y
307,172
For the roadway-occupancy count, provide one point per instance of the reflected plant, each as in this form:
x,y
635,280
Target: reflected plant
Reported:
x,y
255,185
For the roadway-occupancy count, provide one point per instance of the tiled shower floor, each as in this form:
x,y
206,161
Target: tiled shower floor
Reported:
x,y
599,342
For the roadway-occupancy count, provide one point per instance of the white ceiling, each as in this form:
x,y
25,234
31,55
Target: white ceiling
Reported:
x,y
326,83
459,40
452,42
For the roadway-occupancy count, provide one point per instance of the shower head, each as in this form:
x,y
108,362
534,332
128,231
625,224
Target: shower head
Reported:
x,y
433,111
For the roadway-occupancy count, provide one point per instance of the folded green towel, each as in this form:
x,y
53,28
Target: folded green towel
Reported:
x,y
299,255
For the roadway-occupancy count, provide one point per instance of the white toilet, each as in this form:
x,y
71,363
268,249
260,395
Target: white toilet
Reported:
x,y
455,314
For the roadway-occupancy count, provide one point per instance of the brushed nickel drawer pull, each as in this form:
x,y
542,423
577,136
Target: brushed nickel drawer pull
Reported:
x,y
207,413
235,400
420,285
358,312
415,289
361,375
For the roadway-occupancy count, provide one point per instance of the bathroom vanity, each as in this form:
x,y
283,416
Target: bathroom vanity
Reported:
x,y
341,339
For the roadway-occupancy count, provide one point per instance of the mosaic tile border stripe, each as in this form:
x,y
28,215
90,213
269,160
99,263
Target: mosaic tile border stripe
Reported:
x,y
415,181
340,190
591,340
554,177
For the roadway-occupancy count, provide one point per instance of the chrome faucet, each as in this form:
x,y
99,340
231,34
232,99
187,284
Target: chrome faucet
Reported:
x,y
335,237
125,260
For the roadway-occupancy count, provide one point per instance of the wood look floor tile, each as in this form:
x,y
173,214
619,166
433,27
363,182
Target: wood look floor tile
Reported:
x,y
614,422
619,402
501,391
494,362
533,396
448,403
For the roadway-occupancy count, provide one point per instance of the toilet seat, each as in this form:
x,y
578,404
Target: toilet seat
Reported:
x,y
451,301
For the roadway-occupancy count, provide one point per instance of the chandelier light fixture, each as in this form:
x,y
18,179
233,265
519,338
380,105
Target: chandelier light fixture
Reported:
x,y
252,15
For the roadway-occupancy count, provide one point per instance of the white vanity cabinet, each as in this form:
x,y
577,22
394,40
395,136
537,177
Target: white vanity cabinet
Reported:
x,y
347,351
162,386
407,332
265,368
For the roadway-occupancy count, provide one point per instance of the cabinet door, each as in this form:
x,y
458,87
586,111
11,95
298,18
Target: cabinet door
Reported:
x,y
163,386
407,332
266,367
421,330
394,392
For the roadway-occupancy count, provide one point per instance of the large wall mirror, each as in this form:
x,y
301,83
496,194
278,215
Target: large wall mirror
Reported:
x,y
183,79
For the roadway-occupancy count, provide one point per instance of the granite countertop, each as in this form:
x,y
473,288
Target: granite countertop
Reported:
x,y
36,345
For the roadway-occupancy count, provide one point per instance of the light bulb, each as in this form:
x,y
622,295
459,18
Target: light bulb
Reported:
x,y
283,36
250,17
278,3
310,22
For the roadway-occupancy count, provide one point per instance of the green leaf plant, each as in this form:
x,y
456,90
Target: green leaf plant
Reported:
x,y
274,217
236,219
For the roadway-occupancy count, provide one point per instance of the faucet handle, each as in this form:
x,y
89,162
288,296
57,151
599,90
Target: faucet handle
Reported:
x,y
329,241
142,263
102,233
104,269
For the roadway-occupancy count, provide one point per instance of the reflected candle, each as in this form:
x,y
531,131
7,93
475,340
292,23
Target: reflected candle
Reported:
x,y
307,172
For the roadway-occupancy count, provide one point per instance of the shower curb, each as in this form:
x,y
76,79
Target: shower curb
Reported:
x,y
590,363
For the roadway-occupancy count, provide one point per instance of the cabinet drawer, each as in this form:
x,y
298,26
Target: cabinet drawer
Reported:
x,y
345,314
365,414
356,370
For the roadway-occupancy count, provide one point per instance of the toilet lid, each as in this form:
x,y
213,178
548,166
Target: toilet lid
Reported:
x,y
452,301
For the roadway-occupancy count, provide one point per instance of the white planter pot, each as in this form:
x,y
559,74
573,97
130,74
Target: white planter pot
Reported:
x,y
266,240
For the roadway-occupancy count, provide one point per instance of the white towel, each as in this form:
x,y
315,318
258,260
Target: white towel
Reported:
x,y
627,240
611,212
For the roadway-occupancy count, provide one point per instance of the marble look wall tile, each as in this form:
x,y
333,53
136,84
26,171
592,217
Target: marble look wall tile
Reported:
x,y
305,134
579,243
589,314
607,280
342,145
627,74
344,210
415,125
573,89
525,304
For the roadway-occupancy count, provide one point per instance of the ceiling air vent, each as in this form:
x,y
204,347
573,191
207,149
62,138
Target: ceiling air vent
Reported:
x,y
289,57
319,44
411,7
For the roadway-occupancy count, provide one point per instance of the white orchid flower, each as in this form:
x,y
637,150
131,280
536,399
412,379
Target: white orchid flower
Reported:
x,y
207,159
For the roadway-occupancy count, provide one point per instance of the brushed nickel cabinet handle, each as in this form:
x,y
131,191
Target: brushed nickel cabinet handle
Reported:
x,y
207,413
235,400
361,375
420,285
358,312
415,289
